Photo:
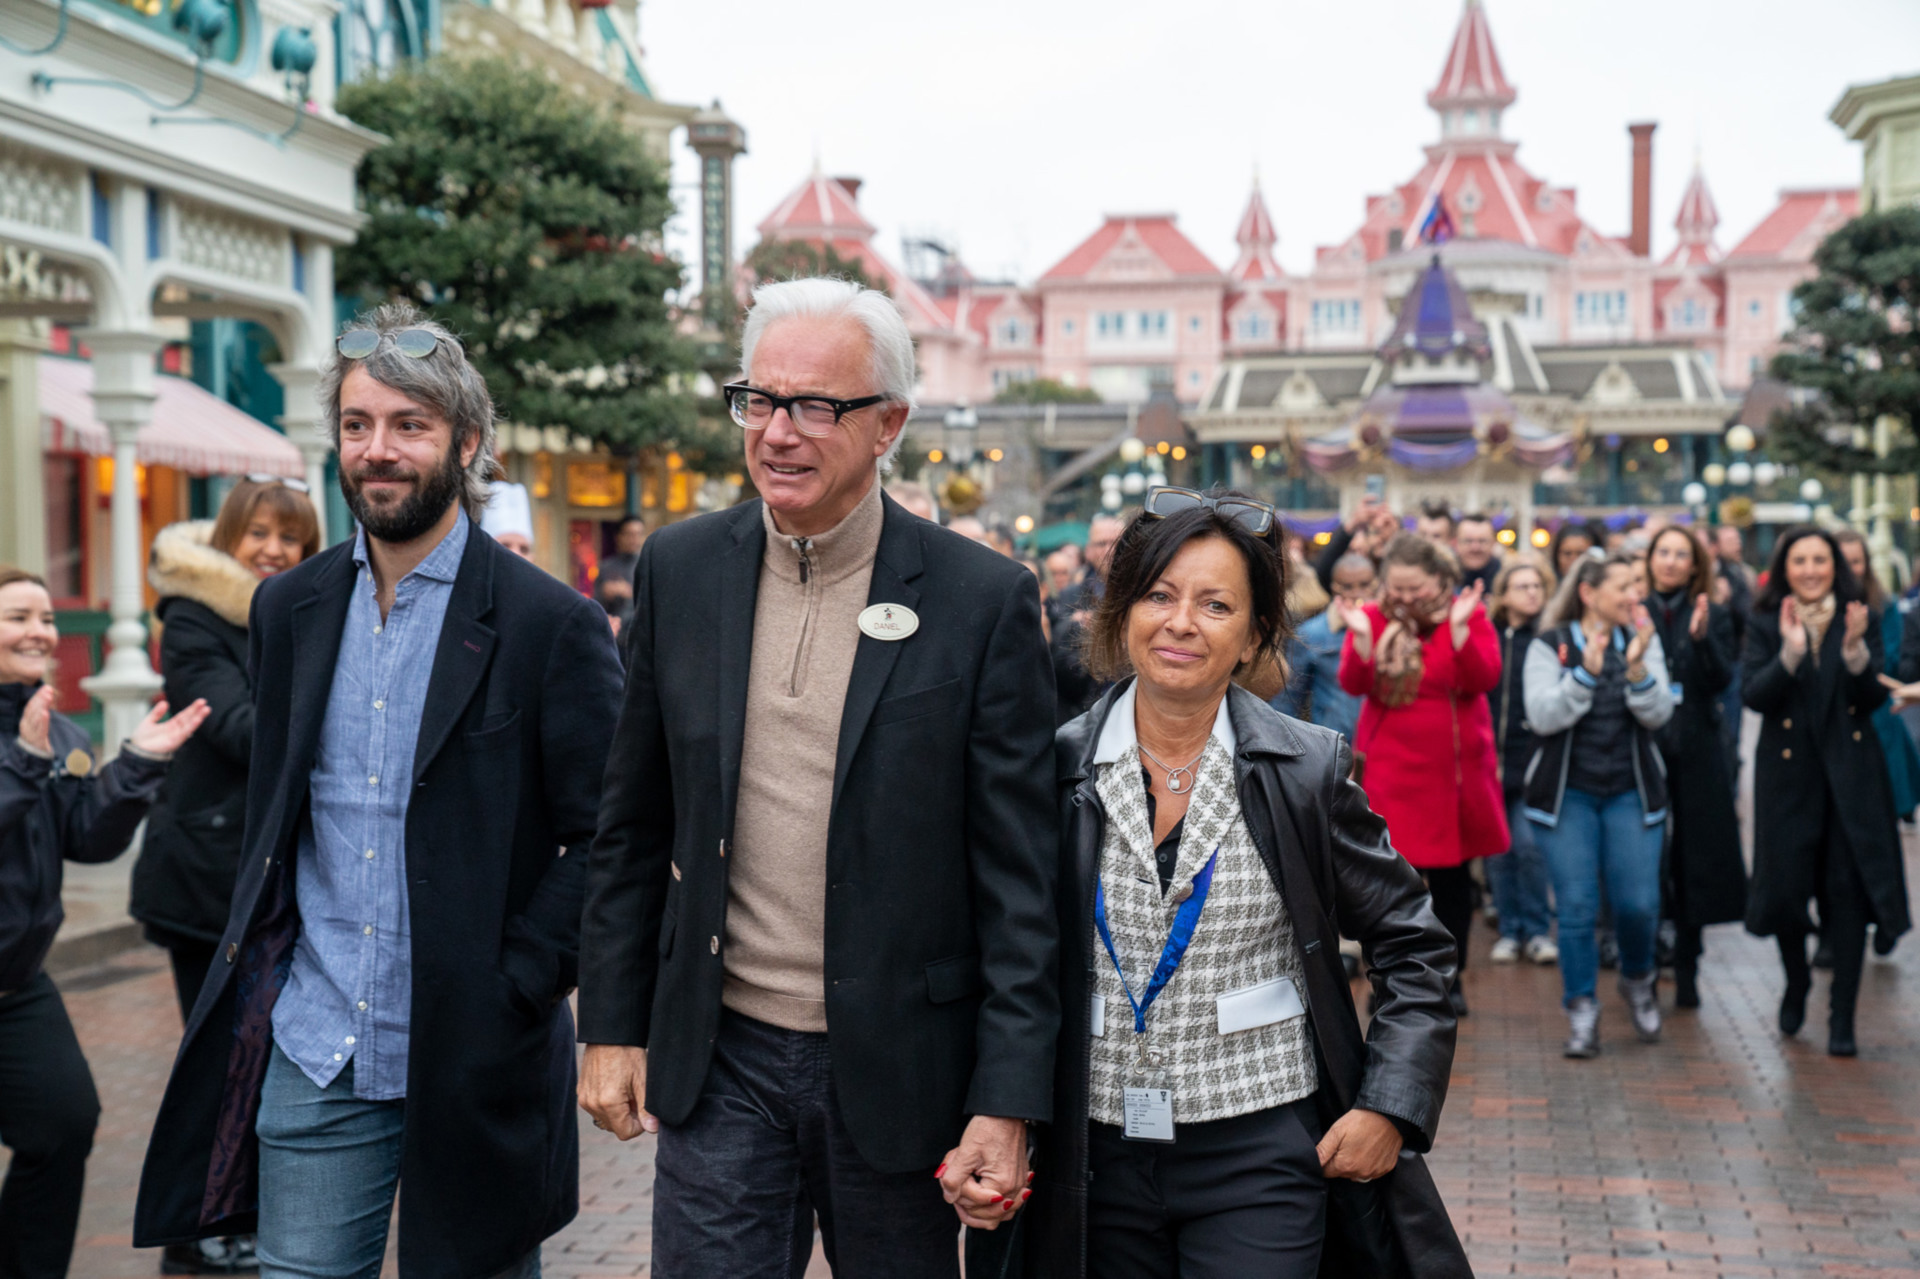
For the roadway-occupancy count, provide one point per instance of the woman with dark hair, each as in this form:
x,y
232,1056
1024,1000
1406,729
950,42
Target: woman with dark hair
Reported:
x,y
1823,819
1706,877
1518,881
205,572
1570,541
56,806
1596,789
1425,659
1217,1110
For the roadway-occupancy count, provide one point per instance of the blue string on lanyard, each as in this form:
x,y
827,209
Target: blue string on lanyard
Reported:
x,y
1184,922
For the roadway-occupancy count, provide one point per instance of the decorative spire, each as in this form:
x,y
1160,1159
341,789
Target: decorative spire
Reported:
x,y
1436,319
1473,89
1697,217
1256,238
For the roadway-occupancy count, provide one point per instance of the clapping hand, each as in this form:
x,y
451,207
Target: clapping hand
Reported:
x,y
1857,619
1466,604
1793,632
36,721
1642,636
158,735
1697,624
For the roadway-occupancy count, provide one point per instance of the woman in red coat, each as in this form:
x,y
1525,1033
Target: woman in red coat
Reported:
x,y
1424,660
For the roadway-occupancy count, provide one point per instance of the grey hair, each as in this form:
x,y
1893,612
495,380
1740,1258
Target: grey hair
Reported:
x,y
890,346
443,381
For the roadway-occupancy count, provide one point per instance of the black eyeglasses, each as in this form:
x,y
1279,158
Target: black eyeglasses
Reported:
x,y
815,415
1254,516
416,343
261,477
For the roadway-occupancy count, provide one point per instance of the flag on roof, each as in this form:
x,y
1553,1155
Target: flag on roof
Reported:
x,y
1437,226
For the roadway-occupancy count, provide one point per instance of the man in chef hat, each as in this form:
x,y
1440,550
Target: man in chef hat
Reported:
x,y
508,518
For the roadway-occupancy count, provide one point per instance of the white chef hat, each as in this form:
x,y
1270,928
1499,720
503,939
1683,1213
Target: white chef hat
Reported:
x,y
508,511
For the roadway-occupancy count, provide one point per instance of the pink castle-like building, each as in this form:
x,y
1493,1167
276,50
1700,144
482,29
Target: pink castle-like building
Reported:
x,y
1138,303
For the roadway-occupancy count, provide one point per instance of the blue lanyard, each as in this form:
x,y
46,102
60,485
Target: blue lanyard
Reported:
x,y
1184,922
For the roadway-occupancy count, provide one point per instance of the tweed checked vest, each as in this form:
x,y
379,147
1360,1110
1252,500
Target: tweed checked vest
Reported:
x,y
1244,938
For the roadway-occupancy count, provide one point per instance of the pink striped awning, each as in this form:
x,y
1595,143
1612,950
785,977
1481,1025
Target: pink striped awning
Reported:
x,y
192,429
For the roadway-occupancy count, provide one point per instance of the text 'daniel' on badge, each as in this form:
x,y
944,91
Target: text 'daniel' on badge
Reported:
x,y
889,621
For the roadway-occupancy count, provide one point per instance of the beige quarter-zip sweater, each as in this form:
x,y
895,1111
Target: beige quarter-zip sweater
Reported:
x,y
805,630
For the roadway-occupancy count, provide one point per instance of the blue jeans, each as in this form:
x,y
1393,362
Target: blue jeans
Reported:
x,y
1607,837
329,1164
1519,881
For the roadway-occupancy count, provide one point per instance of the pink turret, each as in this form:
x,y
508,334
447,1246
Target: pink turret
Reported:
x,y
1471,79
1695,222
1256,238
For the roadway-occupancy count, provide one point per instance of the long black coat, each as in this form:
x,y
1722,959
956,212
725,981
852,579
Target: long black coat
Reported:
x,y
183,882
940,941
507,771
1330,860
1706,874
1819,760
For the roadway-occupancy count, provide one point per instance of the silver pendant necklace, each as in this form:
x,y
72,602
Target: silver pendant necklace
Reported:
x,y
1174,785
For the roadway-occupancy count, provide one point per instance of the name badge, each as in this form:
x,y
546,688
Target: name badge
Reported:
x,y
1149,1113
1099,1022
889,621
1679,694
1256,1006
78,763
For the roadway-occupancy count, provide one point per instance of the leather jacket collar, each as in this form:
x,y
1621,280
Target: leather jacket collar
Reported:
x,y
1255,734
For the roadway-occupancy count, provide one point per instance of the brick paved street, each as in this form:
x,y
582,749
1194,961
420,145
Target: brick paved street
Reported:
x,y
1717,1152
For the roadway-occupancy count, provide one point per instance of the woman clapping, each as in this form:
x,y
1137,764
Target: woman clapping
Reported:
x,y
1824,825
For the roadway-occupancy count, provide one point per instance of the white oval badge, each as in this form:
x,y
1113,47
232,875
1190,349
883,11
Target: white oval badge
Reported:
x,y
889,621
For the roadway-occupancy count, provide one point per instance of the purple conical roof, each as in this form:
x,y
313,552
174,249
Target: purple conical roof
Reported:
x,y
1436,318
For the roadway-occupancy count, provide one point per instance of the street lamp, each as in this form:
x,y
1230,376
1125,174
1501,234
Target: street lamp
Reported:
x,y
961,423
1810,490
1740,438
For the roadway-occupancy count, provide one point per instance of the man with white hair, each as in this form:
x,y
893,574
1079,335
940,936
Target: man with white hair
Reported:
x,y
819,947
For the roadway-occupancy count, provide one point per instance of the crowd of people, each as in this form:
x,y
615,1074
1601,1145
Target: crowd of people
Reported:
x,y
904,884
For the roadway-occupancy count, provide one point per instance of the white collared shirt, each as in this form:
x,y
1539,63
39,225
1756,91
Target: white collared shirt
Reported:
x,y
1118,735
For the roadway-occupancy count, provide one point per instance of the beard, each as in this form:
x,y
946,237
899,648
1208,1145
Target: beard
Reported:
x,y
414,515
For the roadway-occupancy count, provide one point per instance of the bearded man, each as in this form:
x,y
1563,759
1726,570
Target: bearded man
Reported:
x,y
388,1008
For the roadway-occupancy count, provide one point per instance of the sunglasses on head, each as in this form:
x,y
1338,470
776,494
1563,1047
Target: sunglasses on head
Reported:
x,y
416,343
1254,516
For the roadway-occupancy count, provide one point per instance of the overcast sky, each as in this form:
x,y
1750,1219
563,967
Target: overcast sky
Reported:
x,y
1011,126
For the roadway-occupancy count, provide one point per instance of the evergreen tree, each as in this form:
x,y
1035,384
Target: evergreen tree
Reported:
x,y
1856,346
528,221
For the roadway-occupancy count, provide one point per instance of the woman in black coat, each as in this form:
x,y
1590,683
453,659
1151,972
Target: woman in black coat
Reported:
x,y
1706,877
55,807
1195,598
205,572
1824,825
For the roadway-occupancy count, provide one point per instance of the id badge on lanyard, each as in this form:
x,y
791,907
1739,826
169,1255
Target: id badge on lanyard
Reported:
x,y
1147,1096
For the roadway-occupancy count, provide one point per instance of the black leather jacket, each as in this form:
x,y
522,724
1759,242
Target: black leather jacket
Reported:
x,y
50,814
1331,861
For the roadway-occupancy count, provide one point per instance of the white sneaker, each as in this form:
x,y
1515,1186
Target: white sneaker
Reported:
x,y
1505,951
1541,950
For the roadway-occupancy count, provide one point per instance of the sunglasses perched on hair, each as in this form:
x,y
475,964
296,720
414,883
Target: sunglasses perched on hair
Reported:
x,y
1254,516
358,344
261,477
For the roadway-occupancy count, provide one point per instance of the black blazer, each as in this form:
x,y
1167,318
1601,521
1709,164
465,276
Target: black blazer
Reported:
x,y
507,771
1818,761
1705,873
1330,860
940,850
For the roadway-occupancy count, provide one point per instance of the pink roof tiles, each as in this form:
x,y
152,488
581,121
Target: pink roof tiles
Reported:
x,y
819,207
1153,234
1798,223
1471,75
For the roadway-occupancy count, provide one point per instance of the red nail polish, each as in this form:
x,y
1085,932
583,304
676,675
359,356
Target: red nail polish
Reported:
x,y
1028,1194
996,1199
939,1172
1029,1179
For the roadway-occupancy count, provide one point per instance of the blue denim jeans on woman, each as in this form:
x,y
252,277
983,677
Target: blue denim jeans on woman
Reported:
x,y
1518,881
1598,837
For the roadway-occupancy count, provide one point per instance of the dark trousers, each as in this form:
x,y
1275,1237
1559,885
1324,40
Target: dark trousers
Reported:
x,y
737,1185
48,1111
191,960
1844,914
1229,1198
1452,890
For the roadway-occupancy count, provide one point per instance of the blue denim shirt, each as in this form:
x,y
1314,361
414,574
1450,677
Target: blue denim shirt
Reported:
x,y
350,994
1313,691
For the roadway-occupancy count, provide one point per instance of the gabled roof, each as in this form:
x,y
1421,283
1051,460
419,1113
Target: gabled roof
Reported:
x,y
1695,222
1256,238
1471,75
1153,232
1798,223
819,206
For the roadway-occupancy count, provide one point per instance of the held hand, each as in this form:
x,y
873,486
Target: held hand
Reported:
x,y
985,1177
613,1089
159,736
36,721
1857,619
1354,616
1697,624
1904,695
1642,636
1793,632
1363,513
1361,1145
